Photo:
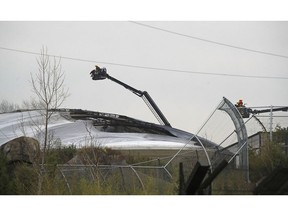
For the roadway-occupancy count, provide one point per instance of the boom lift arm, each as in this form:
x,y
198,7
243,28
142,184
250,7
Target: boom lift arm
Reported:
x,y
101,73
245,111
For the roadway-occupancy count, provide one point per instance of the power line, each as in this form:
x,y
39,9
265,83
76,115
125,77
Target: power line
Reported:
x,y
149,68
209,41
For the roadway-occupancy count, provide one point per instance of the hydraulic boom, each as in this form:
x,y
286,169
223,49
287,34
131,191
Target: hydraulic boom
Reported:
x,y
101,73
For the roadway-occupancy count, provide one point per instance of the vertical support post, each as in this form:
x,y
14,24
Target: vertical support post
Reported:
x,y
123,179
181,179
271,123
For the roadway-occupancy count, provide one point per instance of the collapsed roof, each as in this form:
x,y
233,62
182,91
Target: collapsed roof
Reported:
x,y
82,127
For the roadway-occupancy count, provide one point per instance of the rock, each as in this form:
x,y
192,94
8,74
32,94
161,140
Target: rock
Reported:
x,y
21,149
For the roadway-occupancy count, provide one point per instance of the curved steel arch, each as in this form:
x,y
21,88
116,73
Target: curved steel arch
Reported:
x,y
240,130
260,123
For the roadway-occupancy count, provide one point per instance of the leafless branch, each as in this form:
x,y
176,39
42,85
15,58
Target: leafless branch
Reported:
x,y
48,87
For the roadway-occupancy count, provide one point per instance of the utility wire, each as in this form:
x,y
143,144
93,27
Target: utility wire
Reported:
x,y
209,41
150,68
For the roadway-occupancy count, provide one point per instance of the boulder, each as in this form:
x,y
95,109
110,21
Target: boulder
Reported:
x,y
21,149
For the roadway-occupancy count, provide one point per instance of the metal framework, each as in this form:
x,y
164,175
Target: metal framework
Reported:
x,y
240,130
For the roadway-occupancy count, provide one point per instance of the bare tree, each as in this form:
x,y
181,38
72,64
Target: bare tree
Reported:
x,y
48,86
6,106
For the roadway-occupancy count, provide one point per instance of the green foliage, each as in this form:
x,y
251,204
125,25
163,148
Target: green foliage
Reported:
x,y
98,155
133,159
60,154
25,179
272,155
280,135
6,182
232,182
17,178
89,179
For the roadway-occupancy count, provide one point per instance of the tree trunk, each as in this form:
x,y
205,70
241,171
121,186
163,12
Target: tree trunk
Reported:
x,y
41,173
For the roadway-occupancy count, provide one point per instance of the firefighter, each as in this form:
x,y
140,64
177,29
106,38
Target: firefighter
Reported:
x,y
239,103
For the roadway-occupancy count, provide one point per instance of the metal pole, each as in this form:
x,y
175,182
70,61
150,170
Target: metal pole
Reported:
x,y
271,123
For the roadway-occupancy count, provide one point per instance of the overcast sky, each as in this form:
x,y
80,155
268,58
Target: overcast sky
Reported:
x,y
186,98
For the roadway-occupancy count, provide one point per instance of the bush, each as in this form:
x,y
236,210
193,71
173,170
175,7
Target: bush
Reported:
x,y
6,180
